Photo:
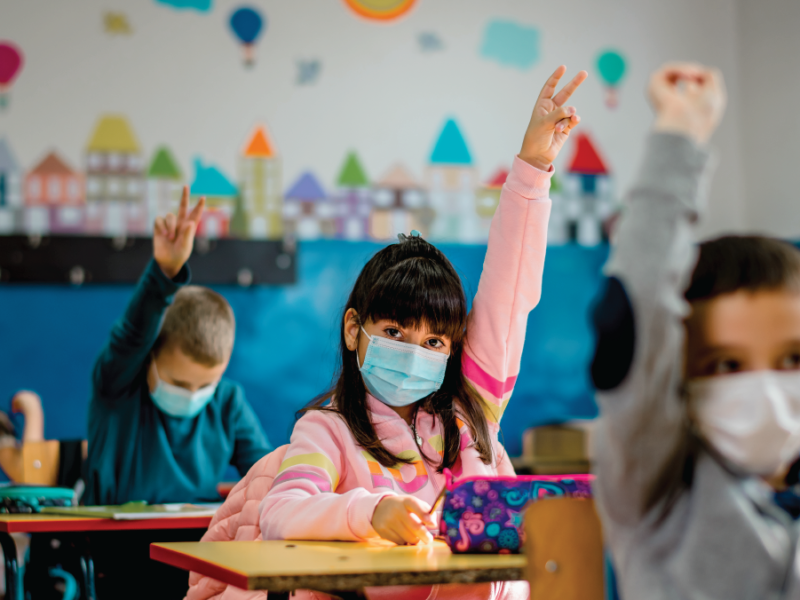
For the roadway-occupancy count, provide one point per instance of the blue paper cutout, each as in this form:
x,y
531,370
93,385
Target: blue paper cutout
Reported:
x,y
246,24
199,5
450,148
429,41
511,44
209,181
308,71
306,189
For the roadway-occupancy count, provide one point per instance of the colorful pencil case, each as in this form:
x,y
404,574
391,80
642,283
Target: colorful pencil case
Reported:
x,y
484,514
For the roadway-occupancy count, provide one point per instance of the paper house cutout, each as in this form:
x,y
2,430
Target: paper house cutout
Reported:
x,y
259,145
164,185
259,213
163,165
352,174
586,160
10,190
400,205
450,147
220,196
307,213
54,198
306,189
113,133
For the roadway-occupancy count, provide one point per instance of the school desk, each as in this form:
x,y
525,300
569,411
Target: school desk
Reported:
x,y
38,523
343,568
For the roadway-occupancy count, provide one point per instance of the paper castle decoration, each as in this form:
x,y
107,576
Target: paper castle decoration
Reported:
x,y
10,190
308,212
115,194
586,201
260,187
54,198
451,180
221,196
353,201
401,204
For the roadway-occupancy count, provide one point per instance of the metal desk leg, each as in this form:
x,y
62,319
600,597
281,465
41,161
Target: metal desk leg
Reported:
x,y
87,570
14,588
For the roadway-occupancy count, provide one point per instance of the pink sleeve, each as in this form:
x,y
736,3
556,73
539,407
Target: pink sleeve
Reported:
x,y
303,503
510,286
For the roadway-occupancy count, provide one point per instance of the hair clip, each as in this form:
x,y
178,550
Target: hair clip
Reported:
x,y
404,238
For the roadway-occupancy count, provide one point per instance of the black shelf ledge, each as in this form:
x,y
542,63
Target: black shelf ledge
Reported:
x,y
80,260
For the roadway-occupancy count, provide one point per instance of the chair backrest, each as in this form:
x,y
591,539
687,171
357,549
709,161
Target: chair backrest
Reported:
x,y
564,547
52,462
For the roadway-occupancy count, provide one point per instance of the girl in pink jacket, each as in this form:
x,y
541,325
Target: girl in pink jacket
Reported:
x,y
422,385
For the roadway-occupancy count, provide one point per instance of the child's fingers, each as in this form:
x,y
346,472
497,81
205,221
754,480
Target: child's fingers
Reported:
x,y
563,112
197,211
561,97
565,125
160,227
170,221
185,232
550,85
184,204
420,508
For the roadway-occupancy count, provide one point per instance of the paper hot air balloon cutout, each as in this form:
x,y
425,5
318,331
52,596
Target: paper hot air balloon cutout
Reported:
x,y
611,66
10,66
247,24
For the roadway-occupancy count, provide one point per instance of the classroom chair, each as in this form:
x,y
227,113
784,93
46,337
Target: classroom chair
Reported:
x,y
564,548
52,462
554,449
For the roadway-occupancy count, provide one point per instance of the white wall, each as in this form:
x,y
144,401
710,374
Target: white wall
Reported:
x,y
769,51
180,81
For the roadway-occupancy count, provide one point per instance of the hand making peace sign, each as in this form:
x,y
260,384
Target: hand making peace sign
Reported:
x,y
551,121
173,236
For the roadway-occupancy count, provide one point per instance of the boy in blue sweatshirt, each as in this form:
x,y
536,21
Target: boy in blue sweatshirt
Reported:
x,y
164,424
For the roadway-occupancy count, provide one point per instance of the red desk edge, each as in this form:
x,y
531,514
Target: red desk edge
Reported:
x,y
192,563
74,524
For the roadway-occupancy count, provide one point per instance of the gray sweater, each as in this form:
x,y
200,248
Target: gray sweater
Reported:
x,y
718,536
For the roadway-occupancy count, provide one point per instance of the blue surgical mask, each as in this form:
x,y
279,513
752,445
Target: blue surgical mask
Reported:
x,y
177,401
399,374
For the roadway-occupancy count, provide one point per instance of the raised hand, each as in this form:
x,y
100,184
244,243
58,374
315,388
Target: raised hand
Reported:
x,y
689,99
173,235
551,121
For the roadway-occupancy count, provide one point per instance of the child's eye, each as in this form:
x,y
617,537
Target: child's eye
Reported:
x,y
725,367
790,362
434,343
393,333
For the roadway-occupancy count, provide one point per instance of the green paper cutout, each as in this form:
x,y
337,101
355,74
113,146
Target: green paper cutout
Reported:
x,y
611,65
352,174
163,165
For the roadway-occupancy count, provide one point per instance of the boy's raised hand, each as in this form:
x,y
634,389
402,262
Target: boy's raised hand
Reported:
x,y
173,235
689,99
551,121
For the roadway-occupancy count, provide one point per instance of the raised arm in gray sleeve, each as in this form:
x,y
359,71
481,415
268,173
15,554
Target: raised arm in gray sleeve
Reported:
x,y
642,415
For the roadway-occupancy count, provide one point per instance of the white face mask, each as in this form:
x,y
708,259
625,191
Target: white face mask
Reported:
x,y
752,419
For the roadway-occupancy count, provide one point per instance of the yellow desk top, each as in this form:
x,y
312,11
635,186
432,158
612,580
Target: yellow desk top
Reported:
x,y
281,566
50,523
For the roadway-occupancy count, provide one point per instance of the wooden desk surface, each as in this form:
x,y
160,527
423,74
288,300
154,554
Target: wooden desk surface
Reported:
x,y
281,566
33,523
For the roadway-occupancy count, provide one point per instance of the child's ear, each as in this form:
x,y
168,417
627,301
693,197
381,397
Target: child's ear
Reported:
x,y
352,327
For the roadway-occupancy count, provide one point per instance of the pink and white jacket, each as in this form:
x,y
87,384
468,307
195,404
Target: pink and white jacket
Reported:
x,y
327,487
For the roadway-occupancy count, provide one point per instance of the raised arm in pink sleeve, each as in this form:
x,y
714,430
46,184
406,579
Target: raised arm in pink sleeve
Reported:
x,y
510,286
307,500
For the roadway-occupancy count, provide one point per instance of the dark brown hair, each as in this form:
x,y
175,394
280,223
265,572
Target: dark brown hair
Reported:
x,y
725,265
200,323
411,283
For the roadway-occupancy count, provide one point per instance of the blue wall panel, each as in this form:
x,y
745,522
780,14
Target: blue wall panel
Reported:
x,y
287,338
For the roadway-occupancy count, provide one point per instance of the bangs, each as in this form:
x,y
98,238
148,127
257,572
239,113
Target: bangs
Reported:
x,y
419,291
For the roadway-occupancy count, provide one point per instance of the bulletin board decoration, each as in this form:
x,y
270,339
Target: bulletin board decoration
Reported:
x,y
380,10
511,44
116,23
11,62
198,5
247,24
308,71
611,67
